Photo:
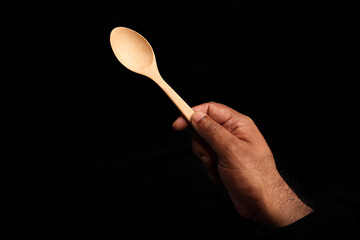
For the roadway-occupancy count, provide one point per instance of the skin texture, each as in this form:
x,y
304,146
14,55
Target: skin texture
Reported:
x,y
236,155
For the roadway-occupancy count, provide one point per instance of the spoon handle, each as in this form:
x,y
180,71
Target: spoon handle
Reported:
x,y
185,110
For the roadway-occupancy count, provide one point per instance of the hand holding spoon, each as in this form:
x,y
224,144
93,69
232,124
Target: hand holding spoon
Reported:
x,y
136,54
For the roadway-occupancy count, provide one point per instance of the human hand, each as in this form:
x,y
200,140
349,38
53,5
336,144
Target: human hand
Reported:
x,y
235,154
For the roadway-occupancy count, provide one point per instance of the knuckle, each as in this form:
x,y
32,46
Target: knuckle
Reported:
x,y
211,127
211,103
248,123
248,120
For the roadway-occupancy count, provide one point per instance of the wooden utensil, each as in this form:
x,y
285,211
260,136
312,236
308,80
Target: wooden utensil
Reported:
x,y
136,54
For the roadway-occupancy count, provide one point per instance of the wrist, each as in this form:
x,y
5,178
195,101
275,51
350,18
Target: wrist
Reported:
x,y
282,206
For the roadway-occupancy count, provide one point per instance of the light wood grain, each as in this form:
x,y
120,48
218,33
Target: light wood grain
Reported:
x,y
136,54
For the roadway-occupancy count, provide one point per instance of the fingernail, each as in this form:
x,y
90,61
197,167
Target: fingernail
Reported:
x,y
197,116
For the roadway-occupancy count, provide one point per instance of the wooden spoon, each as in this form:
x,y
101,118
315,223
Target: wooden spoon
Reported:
x,y
136,54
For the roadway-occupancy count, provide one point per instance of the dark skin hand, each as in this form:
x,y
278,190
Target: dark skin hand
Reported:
x,y
235,154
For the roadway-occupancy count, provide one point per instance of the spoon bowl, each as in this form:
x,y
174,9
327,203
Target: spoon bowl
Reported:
x,y
136,54
131,49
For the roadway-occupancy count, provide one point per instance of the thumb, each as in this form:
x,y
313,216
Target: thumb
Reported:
x,y
218,137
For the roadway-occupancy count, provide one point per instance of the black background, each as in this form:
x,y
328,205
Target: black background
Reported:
x,y
90,144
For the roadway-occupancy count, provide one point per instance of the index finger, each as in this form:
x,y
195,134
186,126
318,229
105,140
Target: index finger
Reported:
x,y
217,111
